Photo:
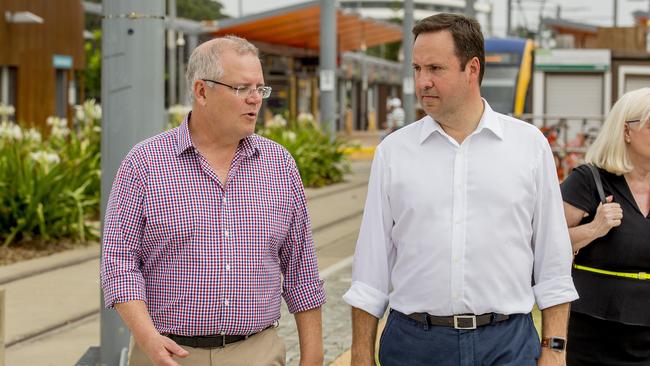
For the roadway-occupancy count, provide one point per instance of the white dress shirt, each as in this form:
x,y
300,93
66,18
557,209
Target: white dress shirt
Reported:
x,y
463,229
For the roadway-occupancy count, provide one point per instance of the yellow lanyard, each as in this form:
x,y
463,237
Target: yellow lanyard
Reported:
x,y
636,276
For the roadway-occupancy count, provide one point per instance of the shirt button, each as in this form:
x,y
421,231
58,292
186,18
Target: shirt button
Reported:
x,y
226,303
225,233
455,259
227,267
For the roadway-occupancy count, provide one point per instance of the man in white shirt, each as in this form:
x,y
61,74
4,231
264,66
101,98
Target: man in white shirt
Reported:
x,y
463,230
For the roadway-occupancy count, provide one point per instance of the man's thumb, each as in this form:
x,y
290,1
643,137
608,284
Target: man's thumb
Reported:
x,y
177,350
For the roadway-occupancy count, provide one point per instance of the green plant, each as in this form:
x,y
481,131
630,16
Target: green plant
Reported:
x,y
49,188
318,155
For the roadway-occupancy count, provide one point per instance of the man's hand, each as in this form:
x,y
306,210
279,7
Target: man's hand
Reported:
x,y
608,215
159,349
551,358
162,350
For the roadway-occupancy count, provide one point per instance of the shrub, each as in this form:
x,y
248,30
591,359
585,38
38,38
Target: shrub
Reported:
x,y
49,188
319,156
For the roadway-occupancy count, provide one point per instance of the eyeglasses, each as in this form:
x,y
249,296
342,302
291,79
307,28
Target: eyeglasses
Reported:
x,y
246,91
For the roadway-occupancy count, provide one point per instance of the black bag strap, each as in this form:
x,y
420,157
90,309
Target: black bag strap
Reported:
x,y
599,183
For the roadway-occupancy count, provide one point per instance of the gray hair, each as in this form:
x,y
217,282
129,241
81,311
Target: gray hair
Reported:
x,y
205,60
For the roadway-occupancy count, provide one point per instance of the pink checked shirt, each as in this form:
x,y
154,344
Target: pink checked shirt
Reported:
x,y
209,259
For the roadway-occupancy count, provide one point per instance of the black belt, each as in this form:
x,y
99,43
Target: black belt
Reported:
x,y
459,321
209,341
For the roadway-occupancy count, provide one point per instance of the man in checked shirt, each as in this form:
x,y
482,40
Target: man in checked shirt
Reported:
x,y
206,227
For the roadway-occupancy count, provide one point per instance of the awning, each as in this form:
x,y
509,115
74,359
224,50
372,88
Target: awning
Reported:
x,y
299,26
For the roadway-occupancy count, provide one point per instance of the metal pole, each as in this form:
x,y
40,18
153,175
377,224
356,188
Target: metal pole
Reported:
x,y
509,19
171,53
328,65
615,13
469,8
182,91
133,109
408,87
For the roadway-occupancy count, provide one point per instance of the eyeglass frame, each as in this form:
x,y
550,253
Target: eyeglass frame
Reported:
x,y
261,90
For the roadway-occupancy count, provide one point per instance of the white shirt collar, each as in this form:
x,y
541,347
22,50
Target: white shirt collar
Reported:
x,y
489,121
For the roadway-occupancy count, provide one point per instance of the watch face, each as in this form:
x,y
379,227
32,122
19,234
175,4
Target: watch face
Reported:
x,y
557,343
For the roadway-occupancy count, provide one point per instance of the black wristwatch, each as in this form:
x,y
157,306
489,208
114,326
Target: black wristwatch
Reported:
x,y
557,344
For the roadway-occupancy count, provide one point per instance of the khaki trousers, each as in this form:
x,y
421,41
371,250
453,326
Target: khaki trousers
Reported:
x,y
263,349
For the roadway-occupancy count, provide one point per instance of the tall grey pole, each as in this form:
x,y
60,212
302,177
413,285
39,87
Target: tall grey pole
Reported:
x,y
615,13
328,65
469,8
408,87
509,19
171,53
132,98
182,91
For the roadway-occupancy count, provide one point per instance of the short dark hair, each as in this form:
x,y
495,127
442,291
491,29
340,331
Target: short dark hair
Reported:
x,y
466,32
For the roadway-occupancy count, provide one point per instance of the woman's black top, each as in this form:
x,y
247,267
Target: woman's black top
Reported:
x,y
625,248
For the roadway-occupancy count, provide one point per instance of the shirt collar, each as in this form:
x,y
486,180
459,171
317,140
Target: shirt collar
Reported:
x,y
184,141
489,121
248,145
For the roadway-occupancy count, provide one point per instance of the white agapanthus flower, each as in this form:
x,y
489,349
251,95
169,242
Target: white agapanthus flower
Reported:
x,y
10,131
45,158
92,109
59,126
7,110
179,110
33,135
79,113
289,135
305,118
277,121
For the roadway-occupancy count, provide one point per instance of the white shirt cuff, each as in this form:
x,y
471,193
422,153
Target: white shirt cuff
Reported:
x,y
554,292
366,298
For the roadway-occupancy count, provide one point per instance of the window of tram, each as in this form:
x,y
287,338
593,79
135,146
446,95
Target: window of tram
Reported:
x,y
499,86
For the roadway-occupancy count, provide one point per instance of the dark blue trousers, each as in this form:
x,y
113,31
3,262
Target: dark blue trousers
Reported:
x,y
406,342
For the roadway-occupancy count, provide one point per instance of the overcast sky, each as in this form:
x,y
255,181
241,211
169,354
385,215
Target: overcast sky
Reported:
x,y
596,12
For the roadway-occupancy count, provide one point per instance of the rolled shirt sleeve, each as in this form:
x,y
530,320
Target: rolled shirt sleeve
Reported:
x,y
553,284
302,287
374,252
124,221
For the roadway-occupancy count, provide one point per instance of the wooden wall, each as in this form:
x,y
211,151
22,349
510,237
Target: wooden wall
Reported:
x,y
30,48
622,38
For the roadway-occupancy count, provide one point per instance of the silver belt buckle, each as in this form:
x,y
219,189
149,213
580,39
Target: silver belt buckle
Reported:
x,y
463,317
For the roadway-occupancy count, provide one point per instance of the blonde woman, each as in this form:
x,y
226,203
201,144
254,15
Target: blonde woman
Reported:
x,y
610,323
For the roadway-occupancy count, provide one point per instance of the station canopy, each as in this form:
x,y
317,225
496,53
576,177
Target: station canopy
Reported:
x,y
299,26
